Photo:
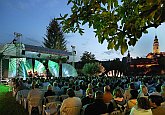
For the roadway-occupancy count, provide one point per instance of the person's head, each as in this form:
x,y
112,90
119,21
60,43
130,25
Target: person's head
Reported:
x,y
134,94
89,92
144,89
77,88
132,85
155,100
117,93
98,95
107,88
55,84
90,86
70,92
143,103
49,87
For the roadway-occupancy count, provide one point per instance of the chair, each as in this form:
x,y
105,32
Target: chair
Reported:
x,y
117,112
71,111
25,102
83,109
50,108
122,108
24,94
51,98
64,97
105,114
35,102
79,95
18,97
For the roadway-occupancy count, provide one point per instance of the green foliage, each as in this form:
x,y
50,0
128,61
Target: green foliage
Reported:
x,y
121,24
91,69
88,57
54,38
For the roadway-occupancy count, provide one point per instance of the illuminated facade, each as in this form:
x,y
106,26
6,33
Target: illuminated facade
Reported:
x,y
151,64
156,50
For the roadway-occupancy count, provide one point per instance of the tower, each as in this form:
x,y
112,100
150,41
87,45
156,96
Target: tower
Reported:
x,y
156,49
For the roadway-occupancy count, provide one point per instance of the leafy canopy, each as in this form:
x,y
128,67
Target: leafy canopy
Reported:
x,y
91,69
87,57
120,23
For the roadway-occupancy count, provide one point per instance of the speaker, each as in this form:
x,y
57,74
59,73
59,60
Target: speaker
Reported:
x,y
23,52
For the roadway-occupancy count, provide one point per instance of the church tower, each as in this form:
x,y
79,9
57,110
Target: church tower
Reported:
x,y
156,49
128,57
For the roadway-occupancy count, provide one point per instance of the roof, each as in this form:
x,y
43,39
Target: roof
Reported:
x,y
46,50
30,51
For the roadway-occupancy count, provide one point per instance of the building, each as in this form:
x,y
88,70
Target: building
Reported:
x,y
149,65
156,50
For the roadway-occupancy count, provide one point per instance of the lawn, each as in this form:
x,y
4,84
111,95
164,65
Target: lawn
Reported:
x,y
8,104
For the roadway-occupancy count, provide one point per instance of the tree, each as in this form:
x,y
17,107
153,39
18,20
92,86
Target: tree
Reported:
x,y
91,69
54,36
120,22
161,62
87,57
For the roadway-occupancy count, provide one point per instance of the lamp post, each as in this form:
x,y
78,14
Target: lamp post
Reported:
x,y
73,55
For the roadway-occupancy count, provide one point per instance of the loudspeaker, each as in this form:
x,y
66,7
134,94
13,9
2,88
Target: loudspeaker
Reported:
x,y
23,52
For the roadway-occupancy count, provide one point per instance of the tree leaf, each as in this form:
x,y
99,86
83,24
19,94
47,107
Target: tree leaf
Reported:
x,y
111,45
124,48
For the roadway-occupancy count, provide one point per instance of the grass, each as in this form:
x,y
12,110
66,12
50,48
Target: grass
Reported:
x,y
8,104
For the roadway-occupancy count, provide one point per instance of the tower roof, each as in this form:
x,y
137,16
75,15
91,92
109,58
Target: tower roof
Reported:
x,y
156,39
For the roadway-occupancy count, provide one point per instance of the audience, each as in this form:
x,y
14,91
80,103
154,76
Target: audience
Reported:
x,y
157,91
107,96
143,91
127,94
70,102
49,91
56,88
133,100
163,91
119,101
98,106
155,103
34,92
142,107
89,97
78,91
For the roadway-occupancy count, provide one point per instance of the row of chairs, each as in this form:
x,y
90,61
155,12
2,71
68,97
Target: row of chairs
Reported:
x,y
39,102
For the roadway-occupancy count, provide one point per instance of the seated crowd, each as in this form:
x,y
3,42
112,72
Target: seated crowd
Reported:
x,y
97,95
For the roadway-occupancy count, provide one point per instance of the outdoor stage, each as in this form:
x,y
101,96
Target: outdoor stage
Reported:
x,y
20,60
